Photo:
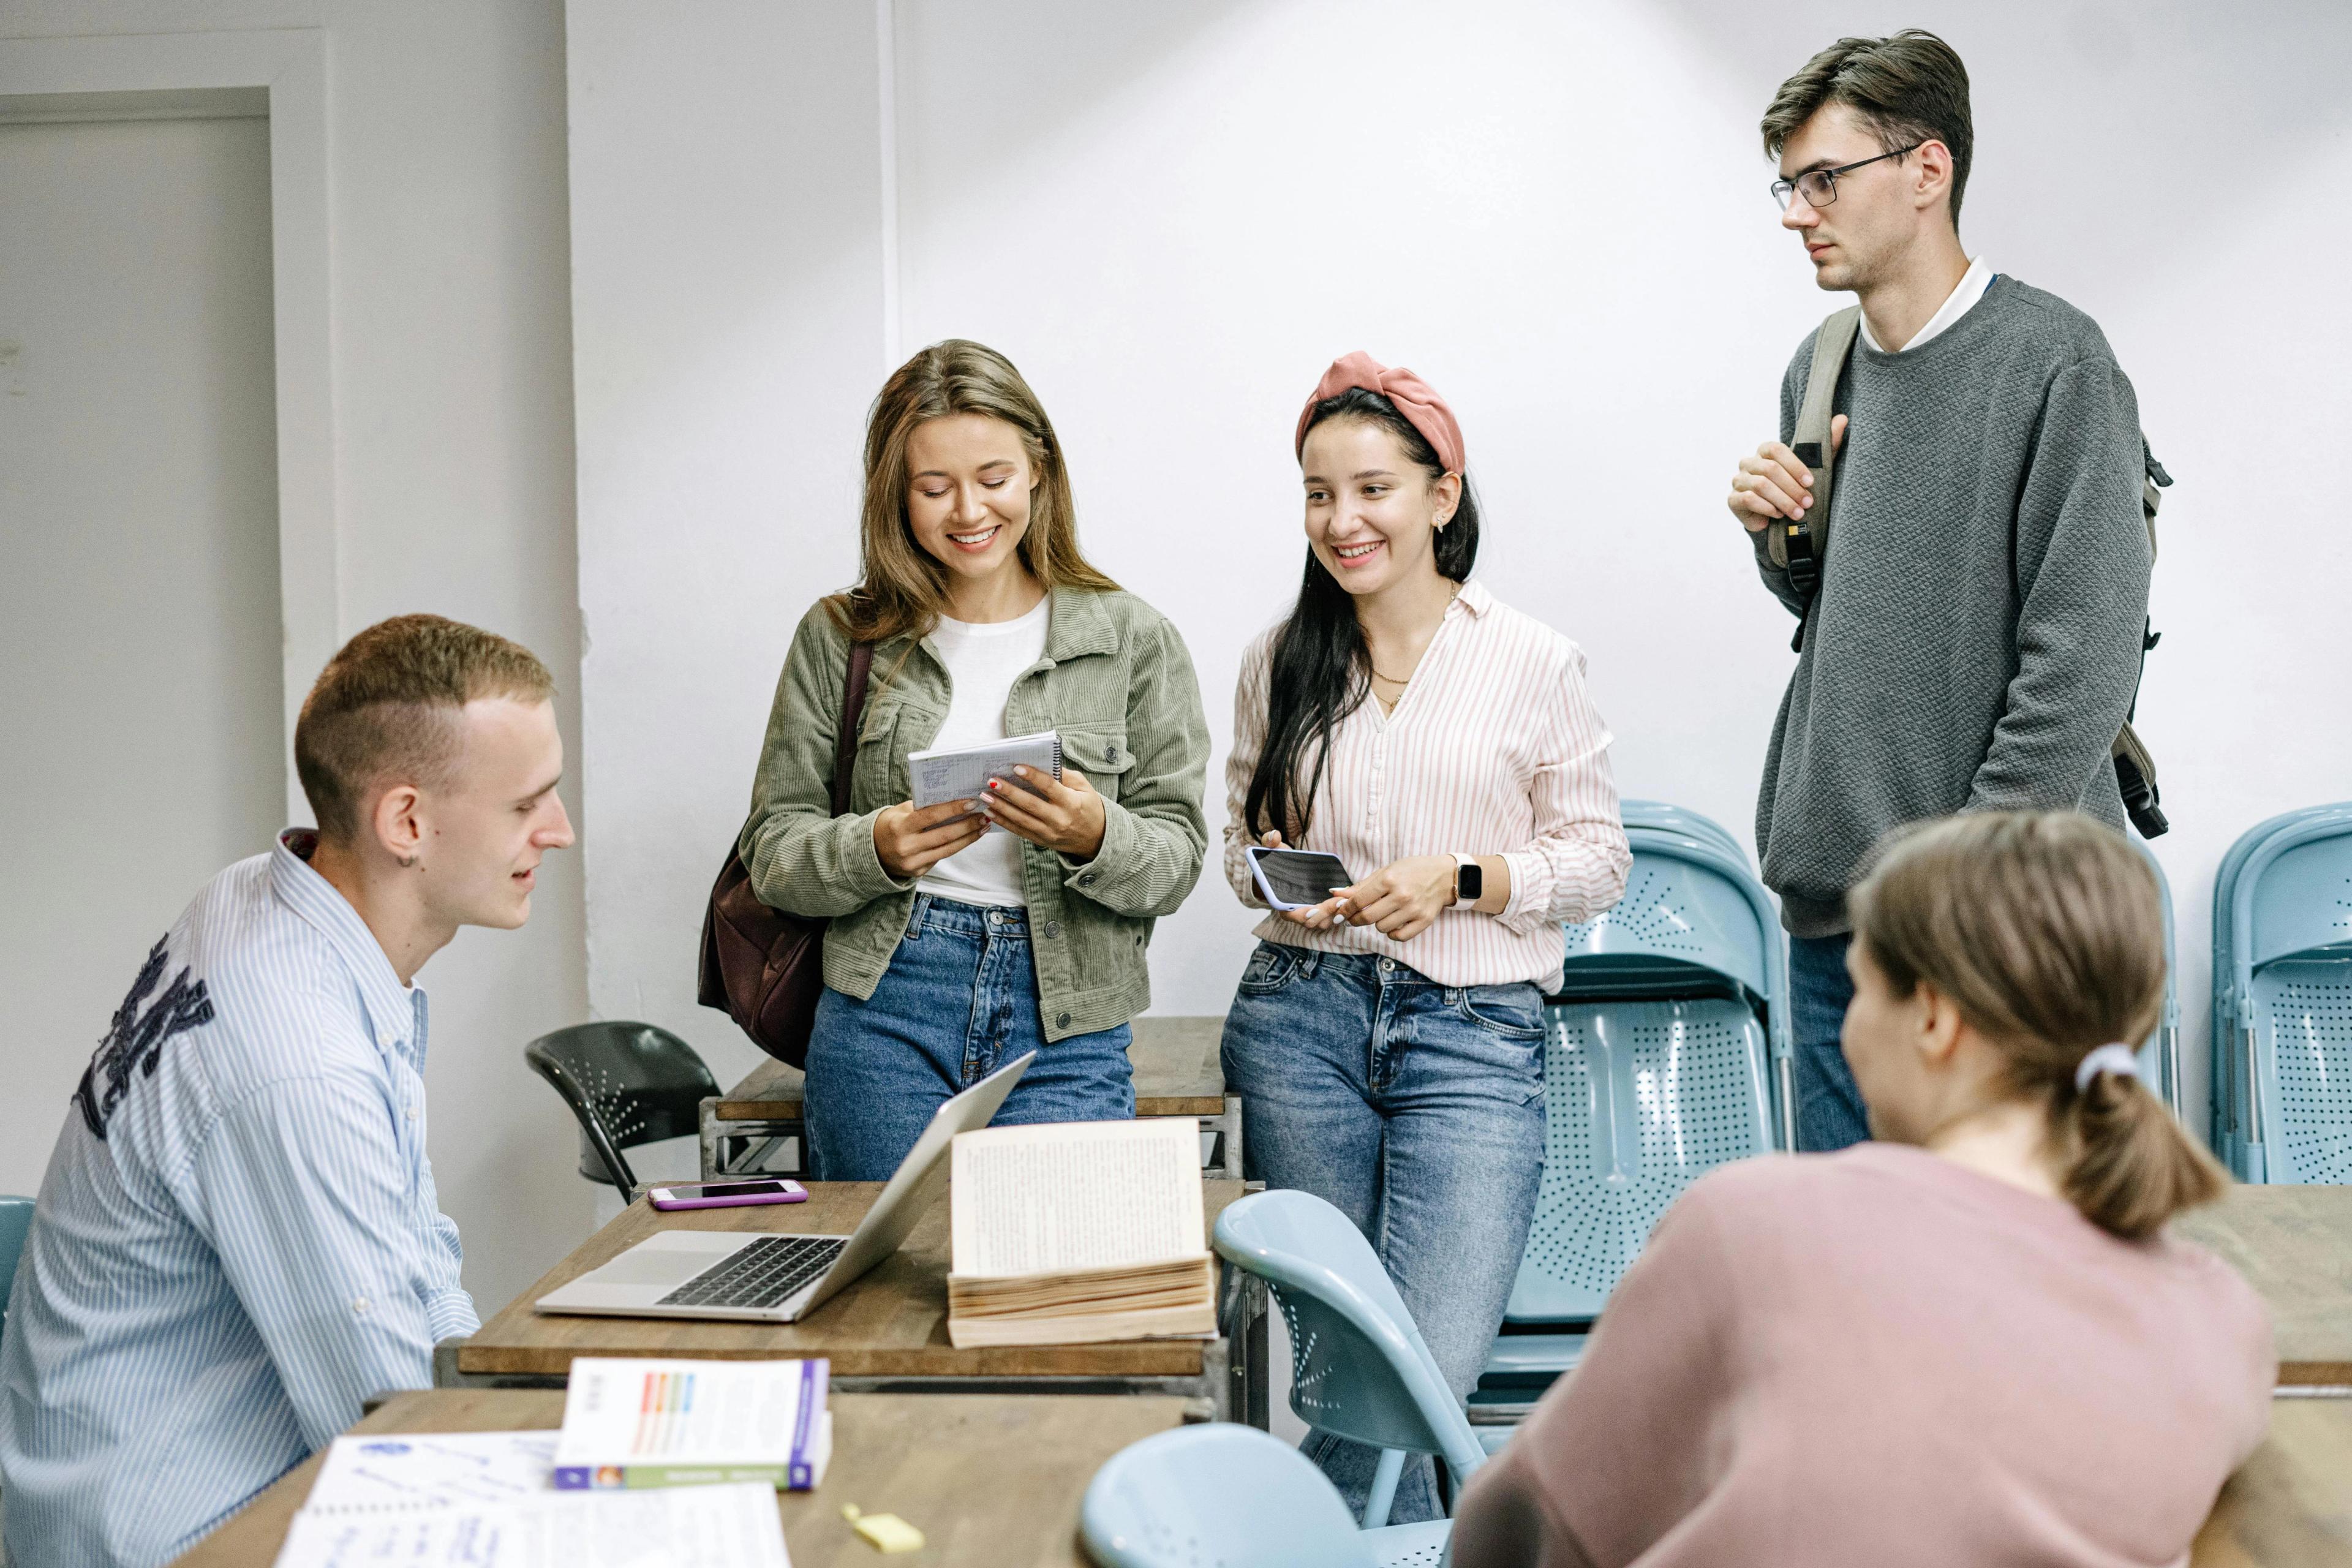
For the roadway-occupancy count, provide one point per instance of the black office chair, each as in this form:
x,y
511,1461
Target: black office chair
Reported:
x,y
628,1084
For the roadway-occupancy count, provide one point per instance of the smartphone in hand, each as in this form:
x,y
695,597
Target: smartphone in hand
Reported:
x,y
1296,878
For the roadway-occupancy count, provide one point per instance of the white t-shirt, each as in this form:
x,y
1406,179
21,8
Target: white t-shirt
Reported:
x,y
983,661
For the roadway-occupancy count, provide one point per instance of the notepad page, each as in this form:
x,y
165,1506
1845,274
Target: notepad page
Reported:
x,y
434,1469
687,1527
962,774
1084,1195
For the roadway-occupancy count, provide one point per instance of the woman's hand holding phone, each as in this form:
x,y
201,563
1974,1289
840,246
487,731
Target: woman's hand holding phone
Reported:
x,y
909,841
1403,898
1314,917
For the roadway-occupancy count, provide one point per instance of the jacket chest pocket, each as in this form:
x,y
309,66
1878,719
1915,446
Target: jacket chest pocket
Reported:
x,y
877,776
1102,756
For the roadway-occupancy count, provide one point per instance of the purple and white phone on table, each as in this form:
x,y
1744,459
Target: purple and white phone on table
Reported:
x,y
727,1195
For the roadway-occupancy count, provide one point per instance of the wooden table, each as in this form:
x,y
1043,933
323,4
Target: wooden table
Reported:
x,y
2293,1245
1177,1073
888,1332
2291,1502
987,1478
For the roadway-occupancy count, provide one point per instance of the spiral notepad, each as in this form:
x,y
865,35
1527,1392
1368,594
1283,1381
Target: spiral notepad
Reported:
x,y
963,773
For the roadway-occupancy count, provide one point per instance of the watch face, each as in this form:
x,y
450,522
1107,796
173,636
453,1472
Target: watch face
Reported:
x,y
1470,883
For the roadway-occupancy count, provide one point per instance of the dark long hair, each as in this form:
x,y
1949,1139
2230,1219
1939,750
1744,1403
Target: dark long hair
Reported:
x,y
1322,668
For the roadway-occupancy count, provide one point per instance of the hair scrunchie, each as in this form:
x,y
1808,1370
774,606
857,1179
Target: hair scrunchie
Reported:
x,y
1414,398
2117,1058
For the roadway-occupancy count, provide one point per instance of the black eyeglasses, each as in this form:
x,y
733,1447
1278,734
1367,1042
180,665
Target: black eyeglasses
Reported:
x,y
1820,186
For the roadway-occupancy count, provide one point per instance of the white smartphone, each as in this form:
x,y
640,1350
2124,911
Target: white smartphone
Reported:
x,y
1296,878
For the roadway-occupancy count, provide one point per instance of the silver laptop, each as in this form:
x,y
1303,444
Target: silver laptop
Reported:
x,y
781,1278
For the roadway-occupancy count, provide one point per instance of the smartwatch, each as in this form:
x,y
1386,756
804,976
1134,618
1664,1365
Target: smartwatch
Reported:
x,y
1469,879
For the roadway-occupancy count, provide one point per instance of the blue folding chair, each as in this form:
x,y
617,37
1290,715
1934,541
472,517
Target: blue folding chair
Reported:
x,y
15,1221
2282,1000
2159,1058
1222,1496
1359,1366
1667,1054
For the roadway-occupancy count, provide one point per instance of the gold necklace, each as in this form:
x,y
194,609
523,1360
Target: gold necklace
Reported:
x,y
1392,679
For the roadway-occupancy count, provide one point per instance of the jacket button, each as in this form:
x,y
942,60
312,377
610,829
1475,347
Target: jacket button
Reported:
x,y
1053,928
1060,1020
1087,881
1111,755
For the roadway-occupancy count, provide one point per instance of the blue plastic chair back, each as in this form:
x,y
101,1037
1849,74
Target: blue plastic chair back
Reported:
x,y
1222,1496
15,1222
1666,817
1359,1367
1657,1067
2283,1004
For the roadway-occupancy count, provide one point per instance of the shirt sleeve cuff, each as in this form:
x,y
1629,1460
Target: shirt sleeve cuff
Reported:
x,y
1531,901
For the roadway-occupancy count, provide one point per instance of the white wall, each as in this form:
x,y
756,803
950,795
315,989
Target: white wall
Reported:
x,y
1172,217
453,489
136,417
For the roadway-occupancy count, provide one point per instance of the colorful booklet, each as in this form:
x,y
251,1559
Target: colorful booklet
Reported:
x,y
694,1423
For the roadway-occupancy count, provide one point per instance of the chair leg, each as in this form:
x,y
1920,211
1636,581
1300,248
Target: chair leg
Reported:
x,y
1384,1486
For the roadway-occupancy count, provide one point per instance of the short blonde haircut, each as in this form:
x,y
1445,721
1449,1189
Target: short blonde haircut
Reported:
x,y
384,710
2046,931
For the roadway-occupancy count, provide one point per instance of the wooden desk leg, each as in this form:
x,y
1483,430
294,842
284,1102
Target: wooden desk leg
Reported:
x,y
707,1124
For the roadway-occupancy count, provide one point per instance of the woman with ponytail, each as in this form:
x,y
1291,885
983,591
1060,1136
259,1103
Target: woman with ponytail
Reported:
x,y
1389,1041
1971,1342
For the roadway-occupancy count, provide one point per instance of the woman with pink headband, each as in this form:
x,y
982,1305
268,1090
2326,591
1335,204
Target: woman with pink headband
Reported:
x,y
1389,1039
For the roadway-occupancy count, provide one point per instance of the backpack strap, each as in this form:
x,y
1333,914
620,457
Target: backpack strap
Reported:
x,y
1799,548
852,709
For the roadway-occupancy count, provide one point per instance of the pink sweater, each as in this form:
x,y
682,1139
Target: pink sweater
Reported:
x,y
1882,1357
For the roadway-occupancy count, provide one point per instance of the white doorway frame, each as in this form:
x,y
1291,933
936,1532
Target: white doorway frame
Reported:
x,y
280,72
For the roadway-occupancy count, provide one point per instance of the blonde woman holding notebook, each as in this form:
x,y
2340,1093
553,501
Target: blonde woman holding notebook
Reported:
x,y
953,947
1388,1042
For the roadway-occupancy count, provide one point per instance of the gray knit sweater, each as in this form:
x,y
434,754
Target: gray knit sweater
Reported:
x,y
1974,643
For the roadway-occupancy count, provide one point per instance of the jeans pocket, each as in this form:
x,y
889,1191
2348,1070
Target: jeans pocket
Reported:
x,y
1271,967
1513,1012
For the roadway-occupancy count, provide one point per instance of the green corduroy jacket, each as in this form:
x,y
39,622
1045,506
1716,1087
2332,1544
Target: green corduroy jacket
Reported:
x,y
1116,683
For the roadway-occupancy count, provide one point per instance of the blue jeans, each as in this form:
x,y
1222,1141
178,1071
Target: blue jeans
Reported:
x,y
1416,1110
1829,1107
958,1000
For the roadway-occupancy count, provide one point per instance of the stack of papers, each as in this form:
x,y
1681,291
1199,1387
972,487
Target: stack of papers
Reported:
x,y
694,1423
1073,1233
483,1500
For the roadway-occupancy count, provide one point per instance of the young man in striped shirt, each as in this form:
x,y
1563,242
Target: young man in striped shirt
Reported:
x,y
237,1239
1974,642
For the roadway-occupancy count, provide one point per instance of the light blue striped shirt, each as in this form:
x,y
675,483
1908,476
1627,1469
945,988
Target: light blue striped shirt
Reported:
x,y
237,1239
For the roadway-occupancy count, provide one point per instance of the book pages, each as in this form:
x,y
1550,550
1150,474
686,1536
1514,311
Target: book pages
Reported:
x,y
1076,1195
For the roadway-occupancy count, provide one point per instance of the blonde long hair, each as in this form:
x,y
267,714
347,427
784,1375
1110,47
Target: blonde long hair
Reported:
x,y
902,590
2046,930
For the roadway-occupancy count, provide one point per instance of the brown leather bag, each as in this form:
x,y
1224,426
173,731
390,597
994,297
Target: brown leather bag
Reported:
x,y
761,967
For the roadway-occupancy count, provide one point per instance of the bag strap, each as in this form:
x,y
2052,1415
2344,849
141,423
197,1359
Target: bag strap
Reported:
x,y
1799,548
852,709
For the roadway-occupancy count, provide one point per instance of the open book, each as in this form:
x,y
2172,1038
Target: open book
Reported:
x,y
1077,1232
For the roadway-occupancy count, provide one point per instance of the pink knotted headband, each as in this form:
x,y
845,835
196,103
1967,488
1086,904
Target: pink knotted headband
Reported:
x,y
1414,398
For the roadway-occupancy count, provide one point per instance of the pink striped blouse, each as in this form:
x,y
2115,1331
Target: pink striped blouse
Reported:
x,y
1493,749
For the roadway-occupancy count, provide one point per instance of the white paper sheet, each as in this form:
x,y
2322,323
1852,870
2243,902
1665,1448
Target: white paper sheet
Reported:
x,y
684,1527
434,1470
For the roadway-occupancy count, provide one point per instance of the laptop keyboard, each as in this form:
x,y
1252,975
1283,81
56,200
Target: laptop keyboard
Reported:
x,y
764,1274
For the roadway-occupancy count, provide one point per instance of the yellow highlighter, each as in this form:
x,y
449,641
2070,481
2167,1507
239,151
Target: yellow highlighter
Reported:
x,y
885,1532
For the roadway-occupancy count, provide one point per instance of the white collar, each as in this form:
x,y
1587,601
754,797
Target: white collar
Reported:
x,y
1965,294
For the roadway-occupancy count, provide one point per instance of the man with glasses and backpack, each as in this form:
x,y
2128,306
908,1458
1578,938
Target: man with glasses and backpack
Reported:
x,y
1973,640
